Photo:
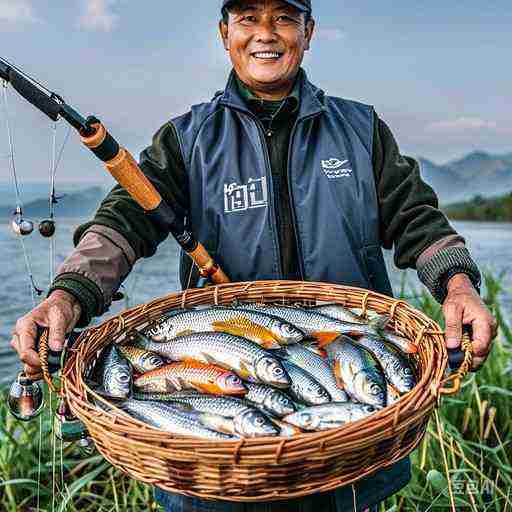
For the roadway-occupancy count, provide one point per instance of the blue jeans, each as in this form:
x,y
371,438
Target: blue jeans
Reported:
x,y
325,502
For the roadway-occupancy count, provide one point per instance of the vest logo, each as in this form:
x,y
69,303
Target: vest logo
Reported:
x,y
239,198
335,168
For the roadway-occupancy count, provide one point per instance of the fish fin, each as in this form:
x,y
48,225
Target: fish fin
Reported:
x,y
379,322
245,371
337,374
185,332
175,381
209,359
323,338
242,326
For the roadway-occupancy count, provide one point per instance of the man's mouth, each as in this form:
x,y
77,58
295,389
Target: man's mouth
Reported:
x,y
266,55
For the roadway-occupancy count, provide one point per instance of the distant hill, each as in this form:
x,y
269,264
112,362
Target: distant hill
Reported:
x,y
75,204
496,209
478,173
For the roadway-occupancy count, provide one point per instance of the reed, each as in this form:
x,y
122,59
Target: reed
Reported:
x,y
465,459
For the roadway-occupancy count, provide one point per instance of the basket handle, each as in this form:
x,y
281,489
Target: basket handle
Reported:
x,y
460,362
51,360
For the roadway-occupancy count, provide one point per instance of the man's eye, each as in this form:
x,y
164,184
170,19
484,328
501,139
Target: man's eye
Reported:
x,y
284,19
249,19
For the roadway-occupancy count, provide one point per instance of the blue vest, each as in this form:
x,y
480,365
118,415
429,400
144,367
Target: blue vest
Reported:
x,y
330,179
334,204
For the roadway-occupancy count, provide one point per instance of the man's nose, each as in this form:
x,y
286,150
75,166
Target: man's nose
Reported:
x,y
265,32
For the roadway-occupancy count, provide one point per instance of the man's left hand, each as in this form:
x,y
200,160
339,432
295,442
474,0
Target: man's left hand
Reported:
x,y
463,306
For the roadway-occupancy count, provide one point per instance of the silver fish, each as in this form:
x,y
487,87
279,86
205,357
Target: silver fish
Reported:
x,y
321,327
247,359
339,312
141,360
396,370
270,399
113,374
266,330
332,415
317,366
171,419
248,421
358,372
305,388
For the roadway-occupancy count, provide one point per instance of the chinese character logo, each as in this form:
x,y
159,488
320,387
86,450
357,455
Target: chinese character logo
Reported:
x,y
239,198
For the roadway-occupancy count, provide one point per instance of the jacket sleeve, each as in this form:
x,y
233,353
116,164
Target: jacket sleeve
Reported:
x,y
411,221
120,232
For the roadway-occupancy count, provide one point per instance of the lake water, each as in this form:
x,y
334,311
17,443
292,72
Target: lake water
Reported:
x,y
490,245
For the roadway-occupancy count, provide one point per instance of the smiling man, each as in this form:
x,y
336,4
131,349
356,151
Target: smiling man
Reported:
x,y
279,181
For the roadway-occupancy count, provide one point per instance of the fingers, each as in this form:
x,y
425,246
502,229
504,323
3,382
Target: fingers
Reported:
x,y
484,331
58,326
453,323
23,342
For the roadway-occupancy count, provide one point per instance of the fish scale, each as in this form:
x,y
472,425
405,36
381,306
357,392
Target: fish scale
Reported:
x,y
267,331
244,357
203,377
318,367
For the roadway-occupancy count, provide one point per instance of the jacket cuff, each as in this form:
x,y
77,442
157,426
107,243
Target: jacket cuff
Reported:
x,y
443,265
85,292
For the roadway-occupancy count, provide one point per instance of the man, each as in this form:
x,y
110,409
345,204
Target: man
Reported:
x,y
279,181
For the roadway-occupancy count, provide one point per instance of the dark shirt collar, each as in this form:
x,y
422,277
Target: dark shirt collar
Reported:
x,y
276,109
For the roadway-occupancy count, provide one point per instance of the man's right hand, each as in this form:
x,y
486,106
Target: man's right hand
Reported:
x,y
59,313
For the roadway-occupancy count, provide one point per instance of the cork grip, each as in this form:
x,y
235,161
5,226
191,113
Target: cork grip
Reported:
x,y
126,172
204,261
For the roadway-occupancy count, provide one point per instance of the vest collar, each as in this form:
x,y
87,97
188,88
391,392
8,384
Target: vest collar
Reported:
x,y
311,97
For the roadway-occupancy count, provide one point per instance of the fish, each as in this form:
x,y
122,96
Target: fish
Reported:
x,y
396,369
191,375
331,415
400,342
141,360
321,327
246,358
267,331
248,420
317,366
286,429
270,399
171,419
305,388
112,374
357,372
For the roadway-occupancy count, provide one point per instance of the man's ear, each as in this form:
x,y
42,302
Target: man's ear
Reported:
x,y
223,29
310,28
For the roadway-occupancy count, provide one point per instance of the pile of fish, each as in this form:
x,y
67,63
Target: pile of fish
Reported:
x,y
255,370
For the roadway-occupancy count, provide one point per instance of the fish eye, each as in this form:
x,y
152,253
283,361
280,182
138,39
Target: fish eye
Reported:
x,y
124,377
259,421
278,371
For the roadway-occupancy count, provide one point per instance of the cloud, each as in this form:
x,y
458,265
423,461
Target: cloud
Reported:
x,y
99,16
16,11
331,34
462,125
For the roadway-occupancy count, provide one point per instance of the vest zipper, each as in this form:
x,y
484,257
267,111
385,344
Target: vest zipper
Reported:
x,y
300,256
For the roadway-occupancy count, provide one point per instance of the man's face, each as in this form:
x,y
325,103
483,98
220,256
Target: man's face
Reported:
x,y
266,40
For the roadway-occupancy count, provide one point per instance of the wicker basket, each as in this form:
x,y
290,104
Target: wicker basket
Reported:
x,y
264,469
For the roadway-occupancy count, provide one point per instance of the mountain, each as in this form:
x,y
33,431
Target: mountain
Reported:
x,y
478,173
75,204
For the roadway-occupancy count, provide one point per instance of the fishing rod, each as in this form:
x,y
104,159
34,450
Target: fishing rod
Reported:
x,y
119,163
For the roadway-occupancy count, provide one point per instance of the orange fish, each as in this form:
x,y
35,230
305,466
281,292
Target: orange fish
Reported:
x,y
206,378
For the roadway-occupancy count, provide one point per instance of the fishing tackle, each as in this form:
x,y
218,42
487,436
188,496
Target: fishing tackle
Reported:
x,y
25,400
20,225
117,160
47,228
66,426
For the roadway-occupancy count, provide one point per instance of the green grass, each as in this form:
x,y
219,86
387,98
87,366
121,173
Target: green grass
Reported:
x,y
468,445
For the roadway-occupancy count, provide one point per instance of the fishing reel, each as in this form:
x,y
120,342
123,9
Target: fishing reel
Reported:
x,y
20,225
25,400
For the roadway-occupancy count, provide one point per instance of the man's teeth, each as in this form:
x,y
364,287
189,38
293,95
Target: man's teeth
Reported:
x,y
267,55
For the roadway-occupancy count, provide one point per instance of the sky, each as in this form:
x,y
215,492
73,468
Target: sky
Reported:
x,y
437,72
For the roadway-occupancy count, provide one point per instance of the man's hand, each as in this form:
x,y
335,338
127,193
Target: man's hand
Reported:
x,y
60,313
463,306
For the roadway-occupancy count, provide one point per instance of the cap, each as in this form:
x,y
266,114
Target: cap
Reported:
x,y
302,5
